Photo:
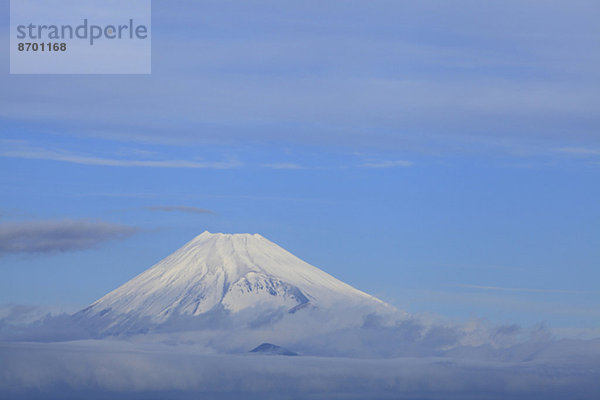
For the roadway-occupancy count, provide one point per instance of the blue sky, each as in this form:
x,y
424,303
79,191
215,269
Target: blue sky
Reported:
x,y
443,156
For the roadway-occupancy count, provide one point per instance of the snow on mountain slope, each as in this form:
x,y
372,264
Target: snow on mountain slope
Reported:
x,y
223,273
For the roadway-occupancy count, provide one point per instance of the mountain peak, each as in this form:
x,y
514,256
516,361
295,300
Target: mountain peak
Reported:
x,y
223,273
219,235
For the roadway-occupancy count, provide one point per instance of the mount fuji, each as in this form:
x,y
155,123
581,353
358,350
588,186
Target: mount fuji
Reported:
x,y
226,280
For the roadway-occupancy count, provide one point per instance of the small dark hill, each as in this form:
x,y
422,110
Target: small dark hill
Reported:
x,y
268,348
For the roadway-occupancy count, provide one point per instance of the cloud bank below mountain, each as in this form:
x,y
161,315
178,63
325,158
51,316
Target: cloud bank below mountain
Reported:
x,y
102,369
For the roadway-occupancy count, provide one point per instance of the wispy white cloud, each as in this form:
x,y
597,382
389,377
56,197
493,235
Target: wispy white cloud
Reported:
x,y
388,164
21,149
512,289
185,209
581,151
122,194
283,166
268,87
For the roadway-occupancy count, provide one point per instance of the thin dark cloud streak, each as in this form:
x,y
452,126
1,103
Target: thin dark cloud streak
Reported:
x,y
388,164
37,237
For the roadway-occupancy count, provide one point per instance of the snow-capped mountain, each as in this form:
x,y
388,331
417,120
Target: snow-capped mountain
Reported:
x,y
241,276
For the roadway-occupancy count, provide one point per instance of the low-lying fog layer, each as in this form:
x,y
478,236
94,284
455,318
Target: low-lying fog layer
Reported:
x,y
109,369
